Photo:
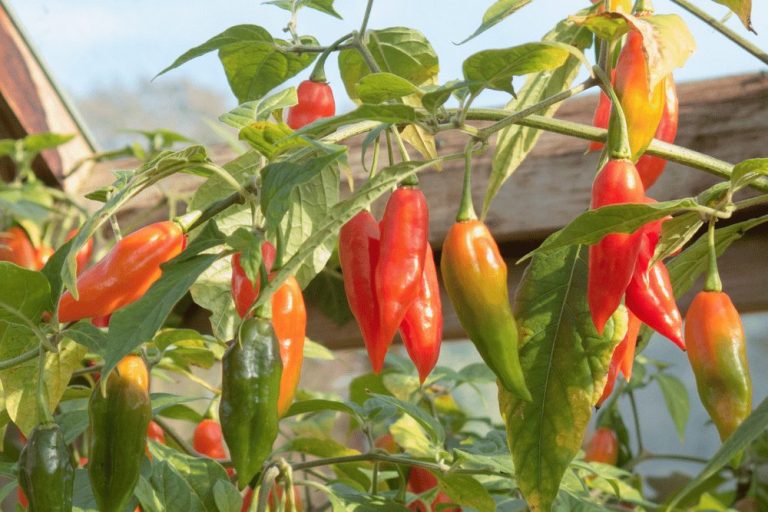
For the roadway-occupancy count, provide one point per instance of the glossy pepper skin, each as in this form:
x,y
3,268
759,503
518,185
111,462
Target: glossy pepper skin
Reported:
x,y
118,433
422,327
475,277
16,248
207,439
125,273
603,447
289,320
315,102
402,251
642,106
718,356
46,473
359,255
650,167
623,357
420,481
650,296
612,260
251,370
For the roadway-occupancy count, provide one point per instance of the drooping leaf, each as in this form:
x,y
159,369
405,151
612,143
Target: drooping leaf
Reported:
x,y
676,397
404,52
466,491
742,9
496,13
494,69
564,361
515,143
271,139
748,170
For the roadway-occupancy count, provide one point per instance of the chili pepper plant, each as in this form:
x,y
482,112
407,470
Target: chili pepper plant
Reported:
x,y
93,305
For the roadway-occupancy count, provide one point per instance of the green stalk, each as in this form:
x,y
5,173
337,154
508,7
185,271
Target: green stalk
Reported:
x,y
618,133
318,72
713,282
467,207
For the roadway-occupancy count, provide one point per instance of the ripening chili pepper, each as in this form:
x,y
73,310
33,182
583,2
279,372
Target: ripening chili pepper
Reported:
x,y
612,260
207,439
422,327
402,250
650,167
622,358
603,447
289,320
642,106
421,480
16,248
125,273
251,370
475,277
358,256
46,473
315,102
118,433
650,296
615,6
84,254
101,321
718,355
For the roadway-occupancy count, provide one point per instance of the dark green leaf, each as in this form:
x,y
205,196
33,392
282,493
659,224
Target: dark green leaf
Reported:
x,y
676,398
497,13
92,338
428,422
308,406
564,362
226,496
173,491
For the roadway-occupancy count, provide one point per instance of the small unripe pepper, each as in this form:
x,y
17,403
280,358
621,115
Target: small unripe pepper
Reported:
x,y
118,433
315,102
603,447
46,473
717,352
358,256
251,370
475,277
612,260
402,250
125,273
422,327
16,248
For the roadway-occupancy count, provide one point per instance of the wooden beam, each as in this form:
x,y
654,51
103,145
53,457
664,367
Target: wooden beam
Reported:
x,y
30,102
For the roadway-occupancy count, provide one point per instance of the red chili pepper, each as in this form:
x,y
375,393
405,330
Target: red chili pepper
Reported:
x,y
84,254
650,167
603,447
650,296
622,358
422,327
359,255
315,101
289,320
156,432
421,480
16,248
207,439
125,273
612,260
402,250
642,106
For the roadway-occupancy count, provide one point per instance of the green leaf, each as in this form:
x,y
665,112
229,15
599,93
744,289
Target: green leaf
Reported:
x,y
326,293
466,491
198,473
496,13
271,139
591,226
309,406
37,142
675,233
494,69
686,268
163,401
227,497
749,170
325,448
259,110
381,87
564,362
173,491
429,423
168,337
314,350
676,398
437,96
515,143
325,6
280,179
398,50
742,9
90,337
182,412
138,322
408,434
385,113
748,431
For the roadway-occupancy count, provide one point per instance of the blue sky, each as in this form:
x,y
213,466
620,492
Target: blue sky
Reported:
x,y
91,43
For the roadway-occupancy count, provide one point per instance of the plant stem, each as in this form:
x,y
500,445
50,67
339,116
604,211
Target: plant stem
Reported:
x,y
515,117
618,131
727,32
381,457
467,208
318,72
194,219
712,282
42,392
267,481
23,358
366,17
636,418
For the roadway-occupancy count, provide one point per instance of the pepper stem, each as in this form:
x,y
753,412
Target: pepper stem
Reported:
x,y
42,392
618,134
643,8
318,72
467,207
713,282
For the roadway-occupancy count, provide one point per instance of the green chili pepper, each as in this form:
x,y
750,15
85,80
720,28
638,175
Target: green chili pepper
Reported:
x,y
46,473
